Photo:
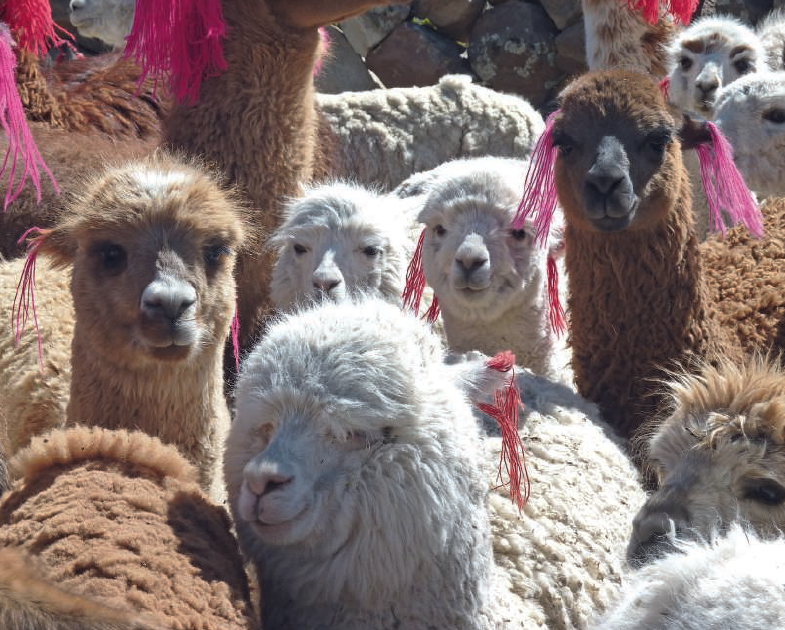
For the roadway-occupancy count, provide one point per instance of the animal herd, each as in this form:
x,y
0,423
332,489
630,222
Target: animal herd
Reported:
x,y
276,360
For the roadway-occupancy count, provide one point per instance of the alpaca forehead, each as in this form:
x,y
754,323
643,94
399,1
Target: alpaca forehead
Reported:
x,y
713,36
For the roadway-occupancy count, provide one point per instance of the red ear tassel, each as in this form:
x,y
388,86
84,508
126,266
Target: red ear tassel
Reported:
x,y
324,47
681,10
14,123
415,285
180,40
31,23
539,189
725,187
556,314
665,88
235,332
24,299
504,410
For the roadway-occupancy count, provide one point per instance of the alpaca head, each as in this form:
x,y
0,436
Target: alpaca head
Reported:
x,y
152,246
618,163
335,240
710,53
719,457
478,267
108,20
347,417
751,114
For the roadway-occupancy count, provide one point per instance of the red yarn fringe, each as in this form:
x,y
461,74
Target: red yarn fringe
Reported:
x,y
14,123
681,10
556,314
179,40
24,298
235,332
415,279
725,187
665,88
504,410
31,23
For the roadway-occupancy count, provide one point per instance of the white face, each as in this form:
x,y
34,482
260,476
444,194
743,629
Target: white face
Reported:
x,y
751,115
708,55
109,20
477,266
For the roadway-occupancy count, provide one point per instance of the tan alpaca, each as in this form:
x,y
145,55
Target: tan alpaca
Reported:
x,y
719,456
149,249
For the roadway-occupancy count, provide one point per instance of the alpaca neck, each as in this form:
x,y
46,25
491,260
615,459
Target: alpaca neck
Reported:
x,y
256,122
619,37
638,304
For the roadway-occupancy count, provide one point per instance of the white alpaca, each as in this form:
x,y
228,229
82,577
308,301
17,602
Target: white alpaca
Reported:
x,y
356,477
731,582
771,31
108,20
710,53
339,238
751,114
490,281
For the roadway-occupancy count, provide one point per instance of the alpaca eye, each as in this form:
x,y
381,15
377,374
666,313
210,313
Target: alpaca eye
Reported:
x,y
372,251
440,230
299,249
765,491
685,63
563,143
743,66
112,257
518,235
658,141
214,253
776,116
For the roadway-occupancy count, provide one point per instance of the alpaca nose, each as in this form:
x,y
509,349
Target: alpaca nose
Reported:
x,y
77,4
472,254
167,297
654,529
604,181
472,263
607,172
327,275
326,284
708,81
264,482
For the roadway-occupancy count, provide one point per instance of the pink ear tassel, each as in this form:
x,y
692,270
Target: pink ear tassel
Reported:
x,y
235,332
539,190
324,47
24,298
504,410
556,314
665,88
14,123
681,10
415,285
180,40
725,187
31,22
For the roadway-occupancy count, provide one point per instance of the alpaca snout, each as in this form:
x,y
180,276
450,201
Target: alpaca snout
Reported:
x,y
654,531
609,199
168,312
75,5
706,85
472,264
327,277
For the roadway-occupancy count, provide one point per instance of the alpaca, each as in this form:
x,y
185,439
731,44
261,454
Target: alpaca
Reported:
x,y
643,295
733,581
710,53
117,517
346,414
146,255
619,37
379,373
490,281
336,239
771,32
719,455
108,20
751,114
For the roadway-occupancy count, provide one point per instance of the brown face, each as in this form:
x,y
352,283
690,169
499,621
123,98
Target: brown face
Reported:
x,y
616,154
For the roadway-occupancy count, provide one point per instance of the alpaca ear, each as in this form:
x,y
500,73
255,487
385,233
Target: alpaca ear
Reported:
x,y
57,245
694,131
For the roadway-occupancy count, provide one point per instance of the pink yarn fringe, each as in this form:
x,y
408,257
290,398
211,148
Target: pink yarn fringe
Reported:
x,y
179,40
324,38
556,314
665,88
24,298
506,402
235,332
14,123
415,285
681,10
725,187
31,22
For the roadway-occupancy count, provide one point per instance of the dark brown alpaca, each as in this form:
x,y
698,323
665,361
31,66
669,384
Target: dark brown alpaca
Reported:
x,y
641,298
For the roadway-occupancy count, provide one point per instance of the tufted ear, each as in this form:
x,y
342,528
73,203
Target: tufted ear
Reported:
x,y
694,131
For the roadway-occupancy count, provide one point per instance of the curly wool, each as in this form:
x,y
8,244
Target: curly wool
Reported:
x,y
117,517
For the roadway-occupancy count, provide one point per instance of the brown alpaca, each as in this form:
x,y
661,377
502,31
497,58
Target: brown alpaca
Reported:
x,y
257,120
82,113
619,37
149,247
640,297
116,517
719,456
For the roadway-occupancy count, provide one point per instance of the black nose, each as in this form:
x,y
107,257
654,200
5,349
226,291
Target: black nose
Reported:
x,y
604,181
471,264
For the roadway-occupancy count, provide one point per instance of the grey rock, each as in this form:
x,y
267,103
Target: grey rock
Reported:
x,y
748,11
453,18
512,49
367,30
415,55
342,70
571,49
562,12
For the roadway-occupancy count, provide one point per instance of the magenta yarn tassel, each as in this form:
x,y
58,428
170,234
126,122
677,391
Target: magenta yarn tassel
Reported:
x,y
725,187
539,189
235,331
14,123
681,10
24,298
